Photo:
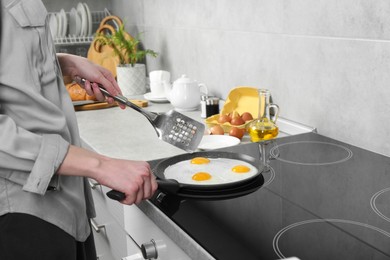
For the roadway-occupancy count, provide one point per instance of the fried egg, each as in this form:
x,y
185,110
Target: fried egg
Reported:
x,y
240,169
200,160
201,176
201,170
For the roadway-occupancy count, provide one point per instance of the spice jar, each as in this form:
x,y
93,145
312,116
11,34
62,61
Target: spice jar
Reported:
x,y
203,99
212,106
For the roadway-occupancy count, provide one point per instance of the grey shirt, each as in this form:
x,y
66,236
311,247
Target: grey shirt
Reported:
x,y
37,124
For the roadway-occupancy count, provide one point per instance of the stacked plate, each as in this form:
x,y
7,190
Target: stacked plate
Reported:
x,y
58,24
78,22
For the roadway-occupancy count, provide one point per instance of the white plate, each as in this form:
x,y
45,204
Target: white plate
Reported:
x,y
73,20
53,25
210,142
64,23
152,98
84,19
89,16
59,27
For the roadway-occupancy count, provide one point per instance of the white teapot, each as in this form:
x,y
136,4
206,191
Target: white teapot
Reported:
x,y
184,94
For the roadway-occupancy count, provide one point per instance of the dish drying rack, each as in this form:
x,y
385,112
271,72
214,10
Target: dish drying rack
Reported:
x,y
79,45
97,16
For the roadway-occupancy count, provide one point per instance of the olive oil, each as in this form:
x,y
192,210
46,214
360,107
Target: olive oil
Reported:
x,y
261,130
264,127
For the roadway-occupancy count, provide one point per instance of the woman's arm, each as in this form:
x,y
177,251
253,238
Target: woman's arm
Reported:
x,y
72,65
134,178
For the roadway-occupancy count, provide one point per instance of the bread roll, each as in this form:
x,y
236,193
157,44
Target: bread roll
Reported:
x,y
77,93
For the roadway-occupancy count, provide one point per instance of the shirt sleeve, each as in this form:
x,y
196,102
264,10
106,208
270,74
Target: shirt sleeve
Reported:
x,y
27,158
51,154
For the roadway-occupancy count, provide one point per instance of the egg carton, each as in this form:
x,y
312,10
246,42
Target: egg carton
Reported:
x,y
240,99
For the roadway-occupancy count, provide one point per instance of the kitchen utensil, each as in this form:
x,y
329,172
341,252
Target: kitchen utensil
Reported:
x,y
160,168
171,127
184,94
172,186
222,194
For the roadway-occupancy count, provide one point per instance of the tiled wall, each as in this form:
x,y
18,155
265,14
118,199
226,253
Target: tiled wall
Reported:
x,y
326,62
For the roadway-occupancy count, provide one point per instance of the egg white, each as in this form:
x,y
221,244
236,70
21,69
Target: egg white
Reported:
x,y
220,170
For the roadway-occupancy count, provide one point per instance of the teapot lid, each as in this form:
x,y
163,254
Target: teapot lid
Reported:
x,y
184,80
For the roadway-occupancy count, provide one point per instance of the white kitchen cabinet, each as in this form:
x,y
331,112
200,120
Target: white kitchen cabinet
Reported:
x,y
123,229
110,236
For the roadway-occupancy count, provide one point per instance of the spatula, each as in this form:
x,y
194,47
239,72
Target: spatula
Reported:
x,y
171,127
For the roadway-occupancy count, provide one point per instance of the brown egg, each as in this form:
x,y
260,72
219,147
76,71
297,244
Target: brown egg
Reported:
x,y
237,132
217,130
230,116
234,114
223,119
237,121
246,116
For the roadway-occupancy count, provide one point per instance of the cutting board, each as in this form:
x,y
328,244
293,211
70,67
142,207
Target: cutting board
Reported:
x,y
101,105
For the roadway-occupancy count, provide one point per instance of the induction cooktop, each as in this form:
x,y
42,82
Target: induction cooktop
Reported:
x,y
320,199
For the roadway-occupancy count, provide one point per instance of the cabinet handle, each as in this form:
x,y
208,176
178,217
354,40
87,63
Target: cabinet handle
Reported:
x,y
93,184
149,250
96,226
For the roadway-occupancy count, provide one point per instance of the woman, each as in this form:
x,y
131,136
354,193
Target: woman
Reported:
x,y
45,202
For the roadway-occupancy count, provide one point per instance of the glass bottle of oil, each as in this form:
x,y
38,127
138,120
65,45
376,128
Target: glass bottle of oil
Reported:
x,y
264,127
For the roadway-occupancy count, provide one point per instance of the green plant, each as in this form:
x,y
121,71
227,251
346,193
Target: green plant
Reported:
x,y
125,46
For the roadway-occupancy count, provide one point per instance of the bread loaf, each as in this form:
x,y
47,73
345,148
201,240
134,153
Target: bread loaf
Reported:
x,y
77,93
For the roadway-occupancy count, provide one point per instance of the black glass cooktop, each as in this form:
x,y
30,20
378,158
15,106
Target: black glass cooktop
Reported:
x,y
321,199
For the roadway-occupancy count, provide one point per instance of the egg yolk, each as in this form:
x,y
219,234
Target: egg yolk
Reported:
x,y
240,169
201,176
200,160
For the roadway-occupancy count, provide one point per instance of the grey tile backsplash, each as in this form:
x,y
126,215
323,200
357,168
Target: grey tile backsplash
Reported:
x,y
326,62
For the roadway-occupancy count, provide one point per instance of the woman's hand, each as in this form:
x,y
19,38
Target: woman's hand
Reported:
x,y
72,65
133,178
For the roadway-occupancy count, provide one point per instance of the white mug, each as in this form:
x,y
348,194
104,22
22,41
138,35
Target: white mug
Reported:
x,y
157,88
159,76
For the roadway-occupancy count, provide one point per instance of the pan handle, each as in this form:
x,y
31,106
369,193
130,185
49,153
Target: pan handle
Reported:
x,y
116,195
169,186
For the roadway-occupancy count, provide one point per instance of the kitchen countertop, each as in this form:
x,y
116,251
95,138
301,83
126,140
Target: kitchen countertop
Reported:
x,y
127,134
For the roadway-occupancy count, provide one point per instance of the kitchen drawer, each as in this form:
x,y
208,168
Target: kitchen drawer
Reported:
x,y
103,251
126,224
143,231
113,207
111,233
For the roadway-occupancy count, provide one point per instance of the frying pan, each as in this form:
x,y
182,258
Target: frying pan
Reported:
x,y
174,187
